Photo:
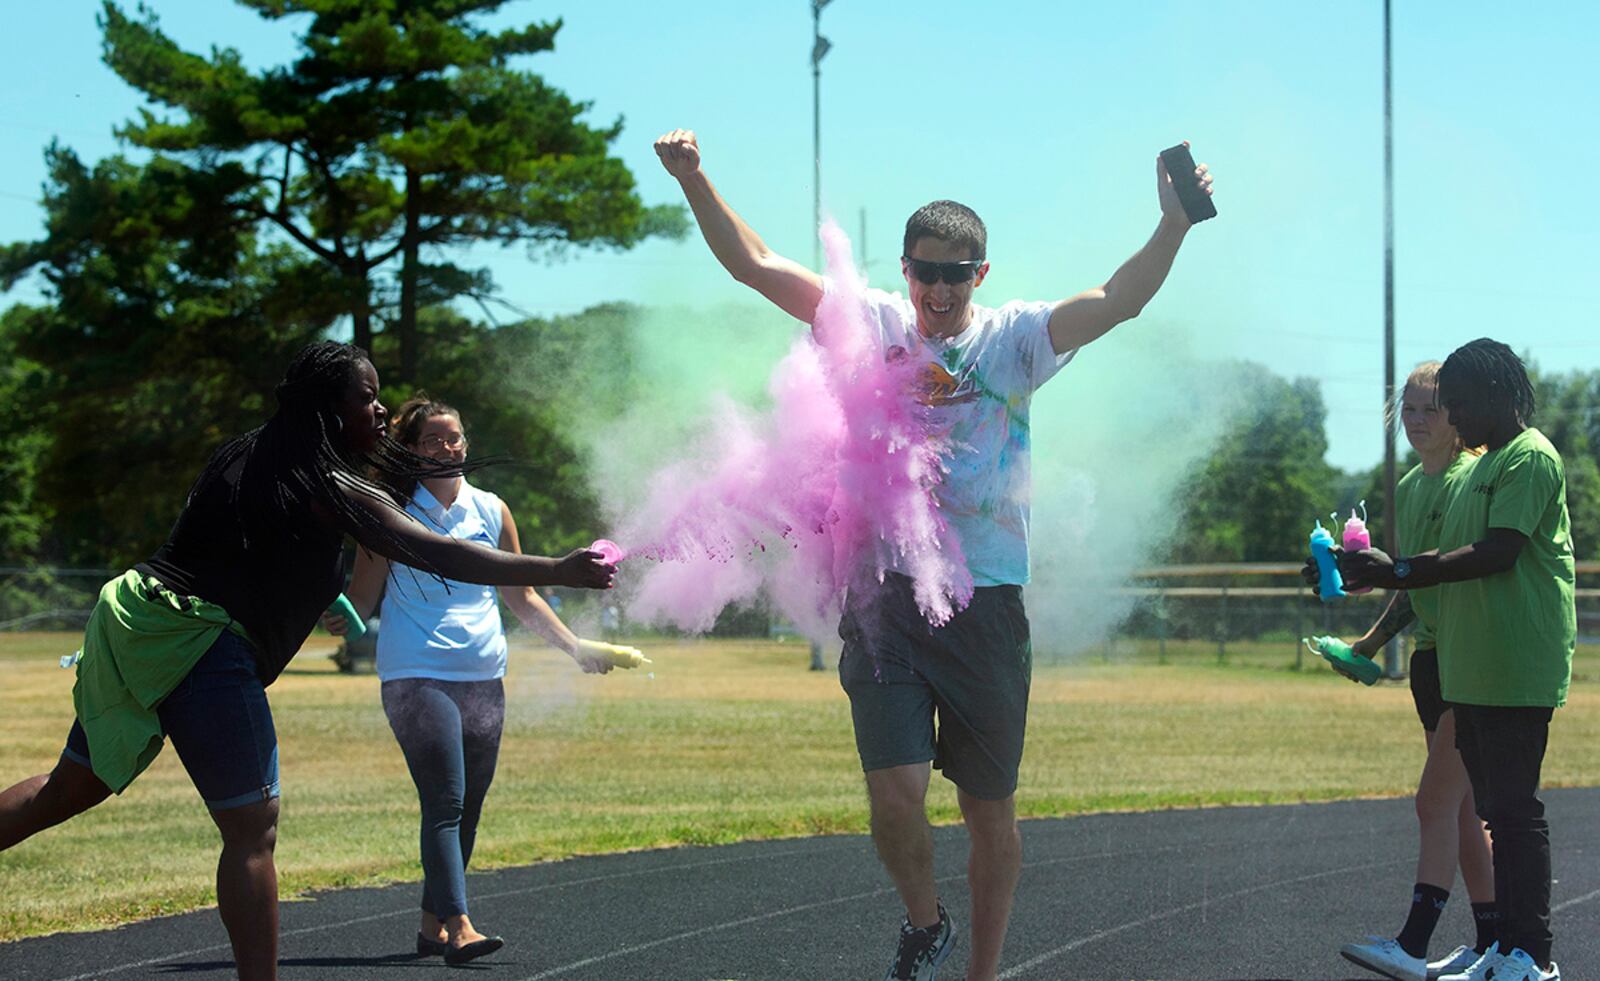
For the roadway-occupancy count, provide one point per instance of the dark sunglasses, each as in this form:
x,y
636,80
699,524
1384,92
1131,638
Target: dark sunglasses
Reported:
x,y
954,273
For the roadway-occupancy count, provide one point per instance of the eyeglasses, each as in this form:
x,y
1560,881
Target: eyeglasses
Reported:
x,y
432,444
954,273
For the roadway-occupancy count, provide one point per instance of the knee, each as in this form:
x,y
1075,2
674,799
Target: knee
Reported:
x,y
1504,817
999,834
252,829
442,810
71,788
896,807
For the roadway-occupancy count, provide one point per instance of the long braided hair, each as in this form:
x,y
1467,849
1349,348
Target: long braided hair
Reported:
x,y
1493,375
298,458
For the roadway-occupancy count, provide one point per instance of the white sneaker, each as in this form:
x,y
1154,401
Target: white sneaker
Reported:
x,y
1518,966
1459,960
1388,958
1481,969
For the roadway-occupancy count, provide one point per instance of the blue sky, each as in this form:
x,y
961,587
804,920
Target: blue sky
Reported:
x,y
1046,117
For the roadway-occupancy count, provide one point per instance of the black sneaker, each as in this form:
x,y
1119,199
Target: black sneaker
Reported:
x,y
922,950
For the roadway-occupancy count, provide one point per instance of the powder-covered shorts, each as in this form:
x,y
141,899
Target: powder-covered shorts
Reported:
x,y
956,695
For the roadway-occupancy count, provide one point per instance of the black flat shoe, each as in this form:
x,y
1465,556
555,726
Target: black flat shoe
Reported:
x,y
472,951
431,948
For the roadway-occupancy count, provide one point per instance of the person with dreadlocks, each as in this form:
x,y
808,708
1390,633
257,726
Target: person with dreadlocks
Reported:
x,y
1451,834
183,645
441,661
1506,631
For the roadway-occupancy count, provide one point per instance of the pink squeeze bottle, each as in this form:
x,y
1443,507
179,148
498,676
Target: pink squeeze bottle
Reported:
x,y
1356,537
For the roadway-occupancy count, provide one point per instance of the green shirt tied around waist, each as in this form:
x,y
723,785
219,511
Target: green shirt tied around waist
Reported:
x,y
1507,639
142,639
1420,502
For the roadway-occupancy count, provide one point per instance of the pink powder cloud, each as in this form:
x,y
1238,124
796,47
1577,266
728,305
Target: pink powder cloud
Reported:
x,y
831,488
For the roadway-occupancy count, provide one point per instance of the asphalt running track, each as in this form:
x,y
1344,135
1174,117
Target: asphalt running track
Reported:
x,y
1221,893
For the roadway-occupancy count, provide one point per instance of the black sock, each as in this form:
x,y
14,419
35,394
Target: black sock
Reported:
x,y
1427,902
1487,918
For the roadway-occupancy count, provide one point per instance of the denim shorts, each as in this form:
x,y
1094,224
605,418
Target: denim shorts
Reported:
x,y
220,724
956,695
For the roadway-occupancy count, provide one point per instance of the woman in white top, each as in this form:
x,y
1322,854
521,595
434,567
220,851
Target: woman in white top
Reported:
x,y
441,657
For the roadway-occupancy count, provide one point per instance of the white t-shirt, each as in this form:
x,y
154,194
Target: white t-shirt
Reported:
x,y
427,631
978,386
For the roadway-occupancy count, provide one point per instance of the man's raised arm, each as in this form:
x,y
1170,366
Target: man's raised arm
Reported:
x,y
1076,321
793,287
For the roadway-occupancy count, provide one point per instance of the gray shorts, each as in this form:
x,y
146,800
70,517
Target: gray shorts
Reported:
x,y
956,695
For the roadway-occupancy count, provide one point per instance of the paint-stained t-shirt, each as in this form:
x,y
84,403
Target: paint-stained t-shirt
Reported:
x,y
978,387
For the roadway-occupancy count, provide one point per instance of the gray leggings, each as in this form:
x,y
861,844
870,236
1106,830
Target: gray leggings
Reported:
x,y
449,732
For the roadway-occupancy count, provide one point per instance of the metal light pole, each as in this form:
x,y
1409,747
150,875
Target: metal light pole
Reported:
x,y
1391,654
819,47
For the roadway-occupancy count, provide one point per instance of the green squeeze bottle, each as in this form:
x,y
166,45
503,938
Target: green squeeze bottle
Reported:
x,y
342,607
1347,662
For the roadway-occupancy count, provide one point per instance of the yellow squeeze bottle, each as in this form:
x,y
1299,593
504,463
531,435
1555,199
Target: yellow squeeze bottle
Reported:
x,y
626,657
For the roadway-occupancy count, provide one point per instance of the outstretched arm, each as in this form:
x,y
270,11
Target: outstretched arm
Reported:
x,y
791,286
466,561
1497,552
1080,319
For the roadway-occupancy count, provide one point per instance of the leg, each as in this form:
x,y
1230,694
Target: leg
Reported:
x,y
220,724
247,886
900,831
992,870
483,718
427,724
1438,804
47,800
483,713
1503,749
1473,856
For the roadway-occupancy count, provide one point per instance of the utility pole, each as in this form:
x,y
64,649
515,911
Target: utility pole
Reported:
x,y
819,48
1391,654
863,241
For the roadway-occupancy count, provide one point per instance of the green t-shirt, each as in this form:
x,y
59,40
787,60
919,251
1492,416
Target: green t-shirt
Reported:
x,y
1507,639
1419,504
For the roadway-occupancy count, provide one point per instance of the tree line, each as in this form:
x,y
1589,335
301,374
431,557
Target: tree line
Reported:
x,y
261,209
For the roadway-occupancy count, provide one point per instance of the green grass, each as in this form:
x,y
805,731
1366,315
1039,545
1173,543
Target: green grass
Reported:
x,y
730,740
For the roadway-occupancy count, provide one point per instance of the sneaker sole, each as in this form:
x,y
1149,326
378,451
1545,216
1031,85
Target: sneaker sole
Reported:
x,y
944,954
1375,969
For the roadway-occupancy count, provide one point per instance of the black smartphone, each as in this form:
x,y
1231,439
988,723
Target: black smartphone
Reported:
x,y
1180,167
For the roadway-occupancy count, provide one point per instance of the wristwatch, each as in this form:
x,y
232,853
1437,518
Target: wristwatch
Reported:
x,y
1402,568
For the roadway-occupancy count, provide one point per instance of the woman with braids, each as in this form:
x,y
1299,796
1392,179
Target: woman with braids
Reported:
x,y
1448,825
1506,630
441,658
183,645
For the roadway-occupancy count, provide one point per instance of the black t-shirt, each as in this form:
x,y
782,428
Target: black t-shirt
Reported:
x,y
275,583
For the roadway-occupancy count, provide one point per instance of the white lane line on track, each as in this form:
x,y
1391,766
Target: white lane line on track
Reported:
x,y
1020,969
772,914
1575,901
610,876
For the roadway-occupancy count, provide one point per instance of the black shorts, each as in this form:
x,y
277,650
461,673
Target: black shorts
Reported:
x,y
971,675
1425,688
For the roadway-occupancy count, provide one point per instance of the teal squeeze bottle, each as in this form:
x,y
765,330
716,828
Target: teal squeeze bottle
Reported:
x,y
1331,587
342,607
